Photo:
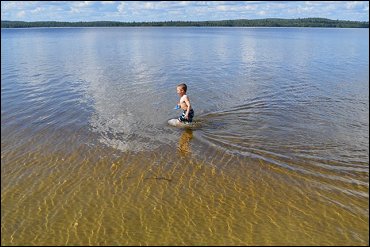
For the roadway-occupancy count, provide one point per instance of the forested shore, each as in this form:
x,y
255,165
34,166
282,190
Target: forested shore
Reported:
x,y
270,22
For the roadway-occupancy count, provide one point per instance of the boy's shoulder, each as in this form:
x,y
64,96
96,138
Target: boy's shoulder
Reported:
x,y
185,96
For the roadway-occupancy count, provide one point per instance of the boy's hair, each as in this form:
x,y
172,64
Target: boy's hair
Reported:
x,y
183,86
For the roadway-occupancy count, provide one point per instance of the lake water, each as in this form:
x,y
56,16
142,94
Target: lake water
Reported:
x,y
279,153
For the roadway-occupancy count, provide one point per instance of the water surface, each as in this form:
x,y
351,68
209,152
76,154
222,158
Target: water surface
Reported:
x,y
279,154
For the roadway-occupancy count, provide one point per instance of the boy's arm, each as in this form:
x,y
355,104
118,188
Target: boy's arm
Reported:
x,y
187,102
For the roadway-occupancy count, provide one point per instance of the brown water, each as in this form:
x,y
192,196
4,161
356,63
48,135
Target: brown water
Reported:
x,y
278,154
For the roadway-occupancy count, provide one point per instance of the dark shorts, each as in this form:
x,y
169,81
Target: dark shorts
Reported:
x,y
190,117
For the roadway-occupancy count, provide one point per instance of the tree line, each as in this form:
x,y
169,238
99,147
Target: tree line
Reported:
x,y
270,22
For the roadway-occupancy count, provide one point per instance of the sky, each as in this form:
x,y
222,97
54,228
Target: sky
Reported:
x,y
141,11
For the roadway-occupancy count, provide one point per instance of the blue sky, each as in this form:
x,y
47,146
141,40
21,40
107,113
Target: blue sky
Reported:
x,y
180,10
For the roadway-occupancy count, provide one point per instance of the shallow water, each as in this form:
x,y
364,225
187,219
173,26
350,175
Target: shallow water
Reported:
x,y
279,154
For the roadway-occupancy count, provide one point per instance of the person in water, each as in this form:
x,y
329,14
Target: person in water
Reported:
x,y
184,104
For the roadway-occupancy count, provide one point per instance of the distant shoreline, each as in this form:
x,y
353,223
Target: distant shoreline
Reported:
x,y
270,22
20,28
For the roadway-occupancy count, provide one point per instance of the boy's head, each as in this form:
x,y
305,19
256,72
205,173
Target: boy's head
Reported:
x,y
181,88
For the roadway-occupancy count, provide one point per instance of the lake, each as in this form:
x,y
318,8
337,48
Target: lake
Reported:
x,y
278,154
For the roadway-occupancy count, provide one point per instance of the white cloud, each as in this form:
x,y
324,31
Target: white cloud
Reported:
x,y
149,5
21,14
107,2
82,3
121,7
18,5
222,8
305,9
354,4
184,3
235,8
6,5
38,10
75,10
250,7
180,10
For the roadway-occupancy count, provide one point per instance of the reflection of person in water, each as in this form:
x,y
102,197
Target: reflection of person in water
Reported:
x,y
184,141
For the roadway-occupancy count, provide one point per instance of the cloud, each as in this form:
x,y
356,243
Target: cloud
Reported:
x,y
107,2
38,10
354,5
75,10
121,7
180,10
21,14
149,5
223,8
83,3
